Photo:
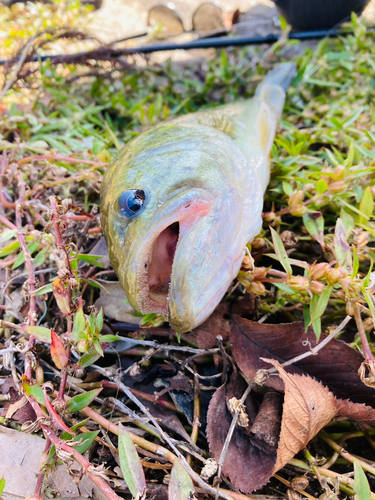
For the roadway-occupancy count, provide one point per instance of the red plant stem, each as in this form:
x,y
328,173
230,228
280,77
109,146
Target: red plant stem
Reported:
x,y
42,472
3,198
153,447
275,272
75,217
67,159
60,397
62,246
32,314
148,397
362,334
7,223
271,280
7,263
84,463
61,445
94,230
59,240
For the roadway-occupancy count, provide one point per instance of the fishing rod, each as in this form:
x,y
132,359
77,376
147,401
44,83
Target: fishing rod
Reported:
x,y
200,43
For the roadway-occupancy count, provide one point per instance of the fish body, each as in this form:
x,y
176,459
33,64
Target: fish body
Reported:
x,y
183,199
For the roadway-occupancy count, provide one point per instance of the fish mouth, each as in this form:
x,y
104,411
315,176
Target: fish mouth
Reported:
x,y
156,261
160,264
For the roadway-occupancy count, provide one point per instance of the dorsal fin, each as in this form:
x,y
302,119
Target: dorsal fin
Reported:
x,y
219,122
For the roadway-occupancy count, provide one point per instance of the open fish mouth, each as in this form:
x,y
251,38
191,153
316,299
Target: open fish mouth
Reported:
x,y
160,263
156,260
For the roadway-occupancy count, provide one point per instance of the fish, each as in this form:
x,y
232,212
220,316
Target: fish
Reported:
x,y
183,199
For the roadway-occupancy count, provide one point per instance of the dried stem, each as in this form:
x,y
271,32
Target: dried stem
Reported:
x,y
197,415
339,449
42,472
311,352
88,468
362,334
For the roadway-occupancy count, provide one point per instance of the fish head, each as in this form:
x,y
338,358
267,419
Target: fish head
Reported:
x,y
172,213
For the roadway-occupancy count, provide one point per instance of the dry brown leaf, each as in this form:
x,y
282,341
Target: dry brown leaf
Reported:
x,y
362,414
217,324
336,365
308,407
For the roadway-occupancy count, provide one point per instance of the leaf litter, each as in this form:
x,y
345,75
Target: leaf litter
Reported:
x,y
310,274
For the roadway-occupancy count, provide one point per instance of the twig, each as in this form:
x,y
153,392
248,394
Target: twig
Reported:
x,y
67,159
89,469
287,483
366,348
196,414
311,352
158,450
339,449
167,347
42,470
8,85
167,439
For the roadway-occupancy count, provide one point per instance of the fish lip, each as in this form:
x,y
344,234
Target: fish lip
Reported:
x,y
188,204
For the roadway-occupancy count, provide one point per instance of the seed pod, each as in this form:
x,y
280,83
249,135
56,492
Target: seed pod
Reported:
x,y
298,210
339,173
337,187
259,272
257,288
317,287
292,494
362,239
368,324
269,217
299,483
349,308
83,345
39,375
248,262
333,276
319,271
258,243
298,283
296,198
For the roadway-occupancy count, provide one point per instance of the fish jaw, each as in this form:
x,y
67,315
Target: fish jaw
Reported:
x,y
202,271
148,268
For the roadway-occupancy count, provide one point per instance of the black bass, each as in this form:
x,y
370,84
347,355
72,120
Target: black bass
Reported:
x,y
183,199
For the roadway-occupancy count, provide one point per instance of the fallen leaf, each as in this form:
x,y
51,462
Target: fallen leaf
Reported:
x,y
336,365
308,407
247,466
130,464
180,484
361,486
115,303
20,469
217,324
61,294
19,409
59,354
361,413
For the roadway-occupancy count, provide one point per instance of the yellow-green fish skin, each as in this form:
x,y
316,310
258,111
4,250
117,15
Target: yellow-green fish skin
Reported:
x,y
207,171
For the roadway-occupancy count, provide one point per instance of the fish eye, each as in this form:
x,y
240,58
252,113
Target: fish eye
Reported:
x,y
131,202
